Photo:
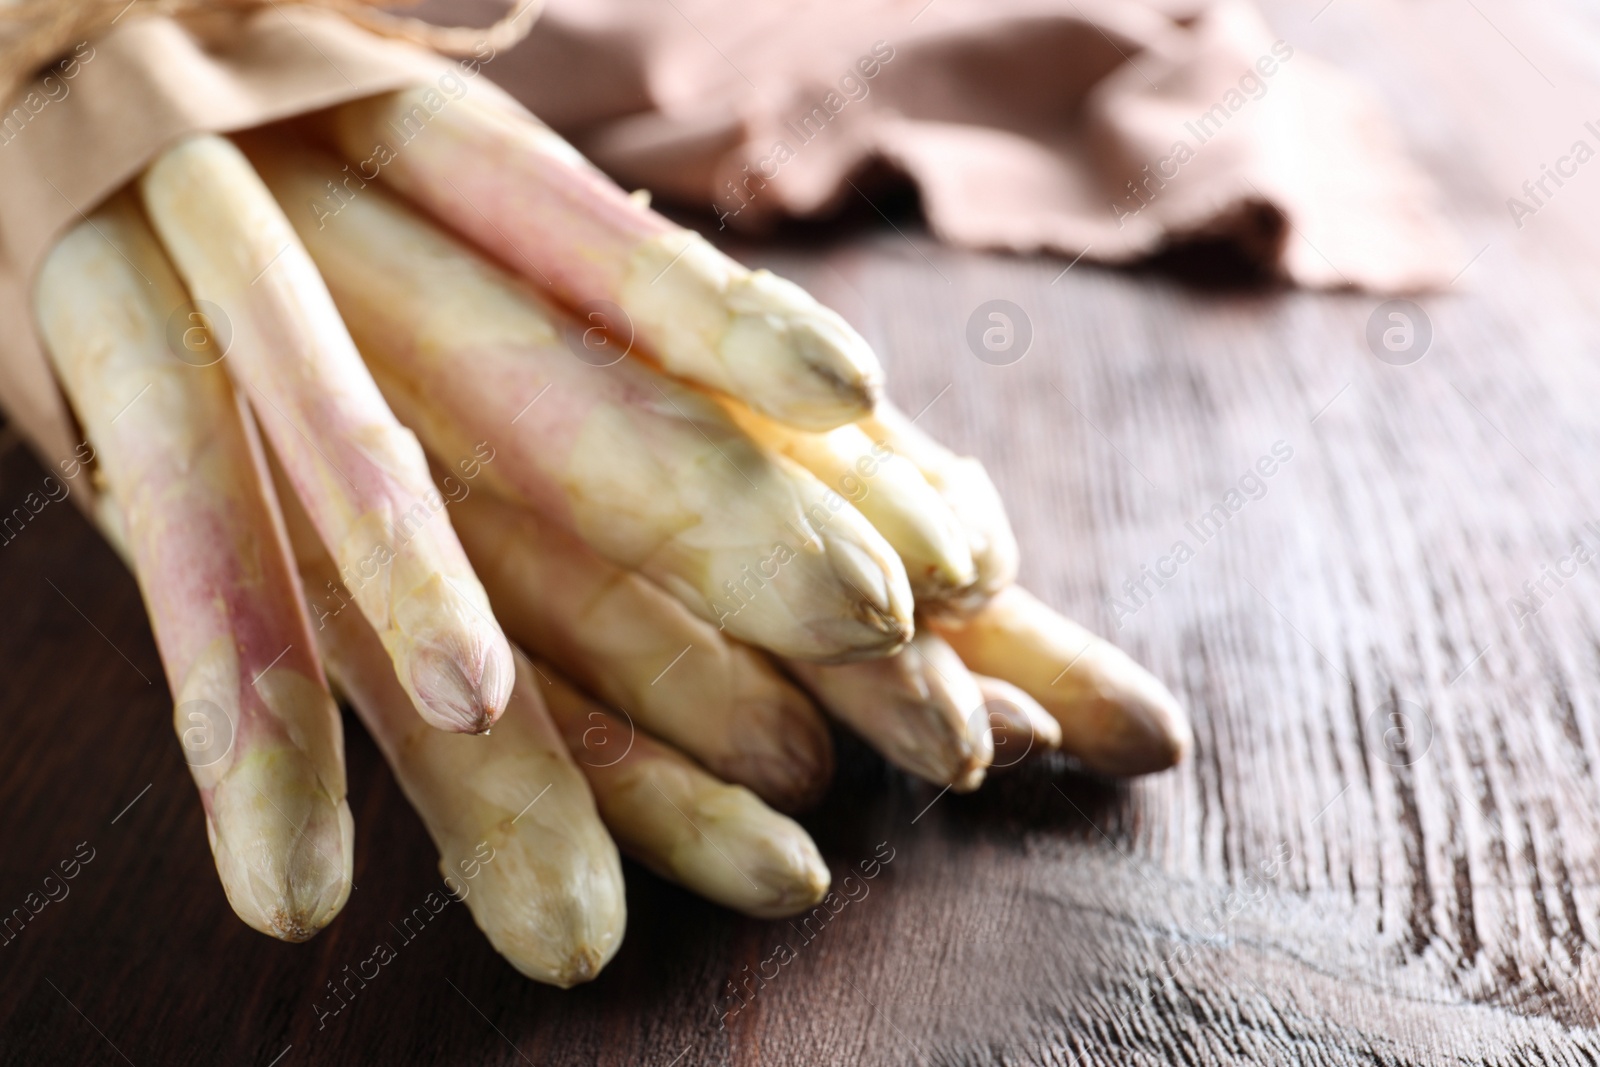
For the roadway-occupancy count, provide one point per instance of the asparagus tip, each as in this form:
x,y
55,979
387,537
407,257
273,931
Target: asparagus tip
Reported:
x,y
561,933
1165,723
970,780
809,886
784,863
1022,726
934,742
1149,730
827,347
463,690
975,756
842,379
283,846
582,966
883,605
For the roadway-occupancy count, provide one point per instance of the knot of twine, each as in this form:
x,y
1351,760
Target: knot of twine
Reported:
x,y
34,32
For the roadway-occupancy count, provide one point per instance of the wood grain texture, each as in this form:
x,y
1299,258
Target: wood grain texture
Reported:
x,y
1315,886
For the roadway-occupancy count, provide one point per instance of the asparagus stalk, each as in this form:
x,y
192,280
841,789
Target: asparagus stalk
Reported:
x,y
889,490
966,487
623,639
361,475
652,475
1020,724
519,838
1115,717
715,839
188,497
920,708
525,195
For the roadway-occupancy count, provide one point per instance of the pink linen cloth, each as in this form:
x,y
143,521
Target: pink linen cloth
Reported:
x,y
1111,129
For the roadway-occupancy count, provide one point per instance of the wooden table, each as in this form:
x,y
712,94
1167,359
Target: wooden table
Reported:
x,y
1321,883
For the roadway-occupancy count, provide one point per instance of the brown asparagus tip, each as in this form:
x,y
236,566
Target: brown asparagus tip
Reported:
x,y
1145,728
582,966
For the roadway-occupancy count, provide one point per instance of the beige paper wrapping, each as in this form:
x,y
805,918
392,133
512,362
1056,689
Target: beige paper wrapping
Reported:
x,y
134,90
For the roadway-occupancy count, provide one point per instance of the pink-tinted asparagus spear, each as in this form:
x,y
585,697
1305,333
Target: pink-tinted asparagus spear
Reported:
x,y
199,521
361,475
519,837
529,198
651,474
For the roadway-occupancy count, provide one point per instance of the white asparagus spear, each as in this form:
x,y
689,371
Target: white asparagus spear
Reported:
x,y
715,839
521,192
361,475
620,637
519,837
920,708
195,516
1020,724
1115,717
652,475
966,487
889,490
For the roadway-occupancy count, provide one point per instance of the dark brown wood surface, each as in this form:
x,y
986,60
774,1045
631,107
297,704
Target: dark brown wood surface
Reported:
x,y
1322,883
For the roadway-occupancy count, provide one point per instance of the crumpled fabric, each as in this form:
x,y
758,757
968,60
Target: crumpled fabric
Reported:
x,y
1108,129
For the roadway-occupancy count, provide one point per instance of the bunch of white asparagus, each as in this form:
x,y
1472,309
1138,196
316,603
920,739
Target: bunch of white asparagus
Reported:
x,y
669,478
